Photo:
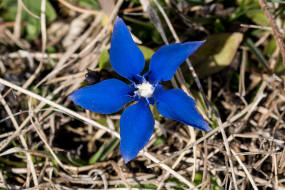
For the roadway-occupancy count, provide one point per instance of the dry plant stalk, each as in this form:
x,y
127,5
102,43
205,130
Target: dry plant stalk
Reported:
x,y
244,151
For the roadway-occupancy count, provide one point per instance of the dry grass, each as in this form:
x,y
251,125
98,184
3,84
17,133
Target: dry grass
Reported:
x,y
46,141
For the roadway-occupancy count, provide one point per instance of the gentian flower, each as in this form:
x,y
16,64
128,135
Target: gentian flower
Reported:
x,y
110,96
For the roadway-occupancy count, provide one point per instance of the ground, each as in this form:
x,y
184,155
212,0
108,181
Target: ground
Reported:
x,y
237,79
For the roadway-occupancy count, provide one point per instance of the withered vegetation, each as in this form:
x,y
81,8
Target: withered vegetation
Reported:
x,y
47,142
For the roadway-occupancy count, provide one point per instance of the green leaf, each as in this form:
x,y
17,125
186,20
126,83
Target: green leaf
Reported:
x,y
93,4
252,10
256,52
33,26
198,178
159,141
275,1
270,47
35,7
50,49
279,68
12,163
147,52
258,17
109,148
219,27
155,112
32,30
104,60
97,155
145,31
78,162
9,10
247,2
144,186
50,12
217,53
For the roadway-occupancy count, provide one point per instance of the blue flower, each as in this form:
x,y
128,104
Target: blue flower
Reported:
x,y
109,96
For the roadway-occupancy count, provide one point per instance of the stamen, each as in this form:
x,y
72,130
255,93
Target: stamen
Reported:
x,y
145,89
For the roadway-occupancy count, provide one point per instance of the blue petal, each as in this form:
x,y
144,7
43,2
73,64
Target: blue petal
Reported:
x,y
105,97
168,58
136,127
125,56
176,104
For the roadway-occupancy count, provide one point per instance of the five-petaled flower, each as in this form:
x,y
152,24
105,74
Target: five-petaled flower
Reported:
x,y
109,96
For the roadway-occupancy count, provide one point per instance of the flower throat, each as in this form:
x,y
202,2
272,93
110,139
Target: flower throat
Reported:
x,y
144,89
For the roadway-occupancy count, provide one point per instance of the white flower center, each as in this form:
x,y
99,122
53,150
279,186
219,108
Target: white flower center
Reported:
x,y
144,90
